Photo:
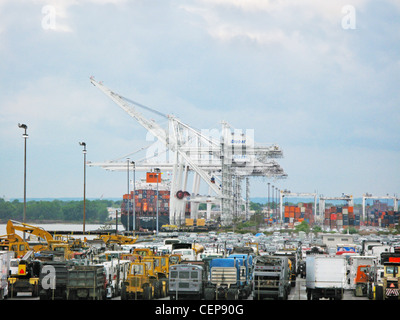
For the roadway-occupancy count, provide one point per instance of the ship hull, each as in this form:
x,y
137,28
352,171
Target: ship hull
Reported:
x,y
144,222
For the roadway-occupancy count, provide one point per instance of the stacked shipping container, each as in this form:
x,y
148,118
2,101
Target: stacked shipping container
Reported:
x,y
385,219
146,207
341,217
301,212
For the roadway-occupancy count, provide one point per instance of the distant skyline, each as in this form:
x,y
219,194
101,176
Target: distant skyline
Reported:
x,y
318,78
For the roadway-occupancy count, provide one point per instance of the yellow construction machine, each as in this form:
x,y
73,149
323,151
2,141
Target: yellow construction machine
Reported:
x,y
139,283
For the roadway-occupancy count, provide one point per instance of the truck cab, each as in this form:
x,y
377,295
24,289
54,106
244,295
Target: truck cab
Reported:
x,y
391,279
227,279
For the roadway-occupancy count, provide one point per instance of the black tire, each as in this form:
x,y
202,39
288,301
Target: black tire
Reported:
x,y
209,294
378,293
147,293
232,294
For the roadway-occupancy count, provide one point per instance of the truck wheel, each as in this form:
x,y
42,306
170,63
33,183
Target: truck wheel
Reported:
x,y
123,292
157,290
232,294
209,294
378,293
147,293
35,292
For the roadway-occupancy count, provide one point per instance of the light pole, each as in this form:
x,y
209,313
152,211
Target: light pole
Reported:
x,y
129,196
134,198
157,170
84,184
269,205
25,136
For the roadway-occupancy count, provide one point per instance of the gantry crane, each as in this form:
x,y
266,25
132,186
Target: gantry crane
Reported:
x,y
348,198
286,193
228,159
370,196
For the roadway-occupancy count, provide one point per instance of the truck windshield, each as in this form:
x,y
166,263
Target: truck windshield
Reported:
x,y
391,270
137,269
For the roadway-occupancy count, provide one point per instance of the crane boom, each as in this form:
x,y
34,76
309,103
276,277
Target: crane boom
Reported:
x,y
160,133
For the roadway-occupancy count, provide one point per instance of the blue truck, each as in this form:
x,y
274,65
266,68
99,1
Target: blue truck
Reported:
x,y
229,278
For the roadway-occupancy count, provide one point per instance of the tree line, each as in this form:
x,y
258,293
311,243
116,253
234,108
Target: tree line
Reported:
x,y
56,210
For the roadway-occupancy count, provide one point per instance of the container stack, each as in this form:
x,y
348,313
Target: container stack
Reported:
x,y
146,203
384,219
341,217
301,212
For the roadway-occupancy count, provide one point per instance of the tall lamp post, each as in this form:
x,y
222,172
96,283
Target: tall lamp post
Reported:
x,y
269,205
25,136
134,198
129,196
157,170
84,184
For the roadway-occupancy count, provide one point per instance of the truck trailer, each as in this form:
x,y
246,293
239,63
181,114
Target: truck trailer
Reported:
x,y
271,278
325,277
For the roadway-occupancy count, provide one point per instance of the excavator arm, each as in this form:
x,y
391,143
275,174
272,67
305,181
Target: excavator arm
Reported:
x,y
13,226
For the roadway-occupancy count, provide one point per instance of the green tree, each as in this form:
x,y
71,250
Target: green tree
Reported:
x,y
303,226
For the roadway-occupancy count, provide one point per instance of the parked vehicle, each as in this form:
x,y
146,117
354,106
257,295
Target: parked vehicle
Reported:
x,y
116,272
325,277
5,259
271,278
293,262
391,279
139,283
186,281
361,281
354,263
53,280
27,278
227,279
246,276
86,283
375,282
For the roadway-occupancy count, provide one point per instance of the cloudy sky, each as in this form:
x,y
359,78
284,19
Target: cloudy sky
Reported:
x,y
318,78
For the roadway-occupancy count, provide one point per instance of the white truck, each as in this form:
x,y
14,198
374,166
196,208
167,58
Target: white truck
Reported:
x,y
325,277
5,258
354,262
116,271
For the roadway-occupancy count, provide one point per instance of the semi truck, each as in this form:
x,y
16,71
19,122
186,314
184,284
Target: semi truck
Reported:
x,y
227,279
325,277
293,257
271,278
354,263
246,273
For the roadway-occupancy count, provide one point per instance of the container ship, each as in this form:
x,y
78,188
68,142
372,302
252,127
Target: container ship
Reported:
x,y
143,202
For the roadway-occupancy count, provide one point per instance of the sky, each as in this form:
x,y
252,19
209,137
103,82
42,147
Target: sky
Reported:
x,y
318,78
